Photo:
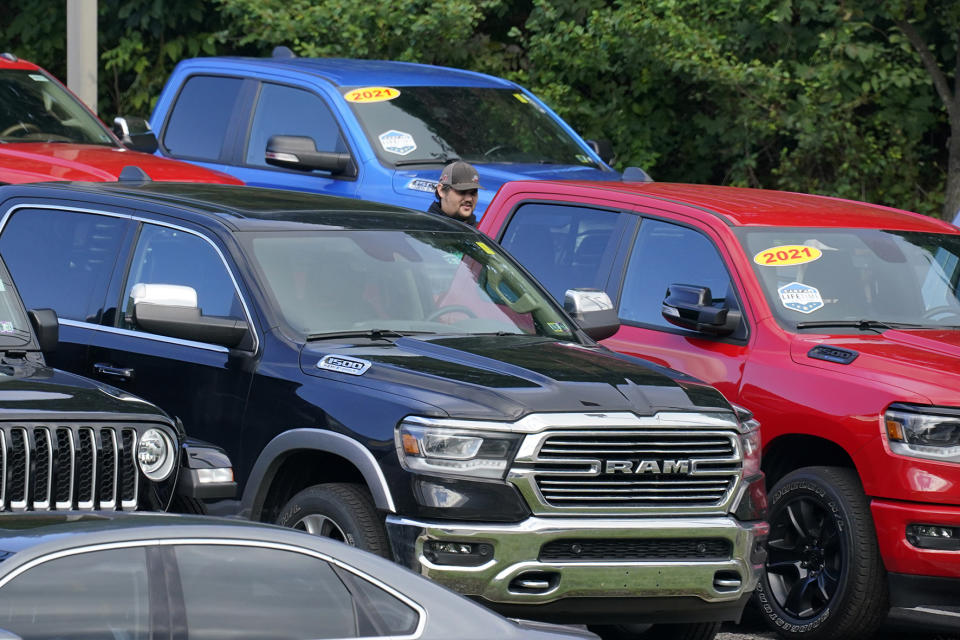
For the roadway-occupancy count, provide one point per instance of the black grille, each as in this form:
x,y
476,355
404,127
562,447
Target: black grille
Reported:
x,y
636,550
68,466
650,469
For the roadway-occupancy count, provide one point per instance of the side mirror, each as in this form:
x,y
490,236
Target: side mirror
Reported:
x,y
47,328
593,312
691,307
135,133
604,149
300,152
171,310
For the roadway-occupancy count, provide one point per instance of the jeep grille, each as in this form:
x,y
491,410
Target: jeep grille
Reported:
x,y
59,467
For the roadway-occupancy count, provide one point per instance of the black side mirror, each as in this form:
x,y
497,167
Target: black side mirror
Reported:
x,y
47,328
604,149
300,152
593,312
135,133
189,324
691,307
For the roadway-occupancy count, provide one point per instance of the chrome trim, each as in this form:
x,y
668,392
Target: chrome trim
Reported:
x,y
93,465
147,336
112,434
5,471
135,438
139,218
537,422
44,504
68,504
421,612
22,504
517,549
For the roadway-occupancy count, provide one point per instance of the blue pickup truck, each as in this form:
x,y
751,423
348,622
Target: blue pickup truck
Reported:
x,y
371,129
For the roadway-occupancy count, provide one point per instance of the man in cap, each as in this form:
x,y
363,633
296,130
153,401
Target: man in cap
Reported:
x,y
457,193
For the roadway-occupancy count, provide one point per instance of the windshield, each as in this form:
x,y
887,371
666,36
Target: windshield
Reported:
x,y
14,327
816,276
35,108
400,281
410,125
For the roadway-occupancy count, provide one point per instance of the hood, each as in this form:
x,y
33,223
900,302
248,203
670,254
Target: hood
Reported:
x,y
45,161
493,176
33,389
924,362
507,377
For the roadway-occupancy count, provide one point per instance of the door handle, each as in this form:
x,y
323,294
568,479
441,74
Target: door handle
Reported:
x,y
116,372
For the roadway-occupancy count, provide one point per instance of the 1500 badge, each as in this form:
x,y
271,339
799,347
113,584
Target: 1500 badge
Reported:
x,y
343,364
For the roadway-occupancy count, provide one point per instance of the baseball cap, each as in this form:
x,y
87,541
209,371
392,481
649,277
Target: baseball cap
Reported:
x,y
460,175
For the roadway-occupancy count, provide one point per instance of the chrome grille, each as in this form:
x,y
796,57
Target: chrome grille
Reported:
x,y
628,471
57,466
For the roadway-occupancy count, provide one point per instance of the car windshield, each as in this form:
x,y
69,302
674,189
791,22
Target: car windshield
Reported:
x,y
396,281
817,278
36,108
14,326
411,125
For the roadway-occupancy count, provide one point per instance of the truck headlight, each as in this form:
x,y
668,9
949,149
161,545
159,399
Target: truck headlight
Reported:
x,y
749,441
156,454
455,451
924,433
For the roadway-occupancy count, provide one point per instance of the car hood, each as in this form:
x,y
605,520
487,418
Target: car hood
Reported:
x,y
27,388
493,176
44,161
507,377
924,362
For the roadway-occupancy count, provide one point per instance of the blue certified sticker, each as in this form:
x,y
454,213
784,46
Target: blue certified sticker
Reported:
x,y
397,142
800,297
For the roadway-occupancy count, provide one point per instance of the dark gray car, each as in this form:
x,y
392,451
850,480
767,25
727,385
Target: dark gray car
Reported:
x,y
148,576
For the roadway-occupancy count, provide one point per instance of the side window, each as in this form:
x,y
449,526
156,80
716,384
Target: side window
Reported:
x,y
564,246
198,123
62,259
285,595
665,254
284,110
168,256
100,594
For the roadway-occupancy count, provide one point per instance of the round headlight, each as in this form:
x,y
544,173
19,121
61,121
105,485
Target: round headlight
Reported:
x,y
155,454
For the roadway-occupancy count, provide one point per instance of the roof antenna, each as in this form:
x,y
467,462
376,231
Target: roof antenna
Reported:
x,y
133,174
281,51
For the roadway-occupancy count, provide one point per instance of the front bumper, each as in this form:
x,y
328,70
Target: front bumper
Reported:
x,y
515,580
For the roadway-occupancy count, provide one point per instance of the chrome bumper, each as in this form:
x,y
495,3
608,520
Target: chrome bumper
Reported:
x,y
514,575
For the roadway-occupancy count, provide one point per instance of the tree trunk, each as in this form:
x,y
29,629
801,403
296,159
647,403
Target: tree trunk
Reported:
x,y
951,200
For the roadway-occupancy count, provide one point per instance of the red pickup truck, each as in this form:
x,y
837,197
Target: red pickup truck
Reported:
x,y
47,133
837,324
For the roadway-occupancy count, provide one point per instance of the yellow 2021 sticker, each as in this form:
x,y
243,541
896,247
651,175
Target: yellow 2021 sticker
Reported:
x,y
371,94
485,248
787,254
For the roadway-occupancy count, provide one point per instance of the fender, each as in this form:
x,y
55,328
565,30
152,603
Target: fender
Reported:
x,y
269,460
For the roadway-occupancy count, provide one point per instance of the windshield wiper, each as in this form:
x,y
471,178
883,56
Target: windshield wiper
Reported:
x,y
435,160
373,334
862,325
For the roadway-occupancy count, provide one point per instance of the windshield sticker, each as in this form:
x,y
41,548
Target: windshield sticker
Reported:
x,y
371,94
39,77
6,327
397,142
800,297
453,257
557,327
3,287
522,98
485,248
786,255
342,364
421,184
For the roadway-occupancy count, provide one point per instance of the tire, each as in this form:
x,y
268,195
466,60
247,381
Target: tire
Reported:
x,y
688,631
824,577
341,511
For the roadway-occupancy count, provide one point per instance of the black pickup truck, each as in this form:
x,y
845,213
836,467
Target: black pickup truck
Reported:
x,y
393,379
69,443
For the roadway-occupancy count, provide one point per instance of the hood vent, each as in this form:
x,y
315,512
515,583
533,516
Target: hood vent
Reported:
x,y
833,354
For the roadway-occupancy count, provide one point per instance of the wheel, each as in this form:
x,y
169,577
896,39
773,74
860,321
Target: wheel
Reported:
x,y
687,631
26,127
451,308
341,511
824,577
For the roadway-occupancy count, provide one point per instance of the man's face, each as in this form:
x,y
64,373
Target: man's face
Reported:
x,y
457,204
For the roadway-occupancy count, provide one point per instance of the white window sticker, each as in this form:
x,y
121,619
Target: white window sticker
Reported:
x,y
6,327
397,142
39,77
800,297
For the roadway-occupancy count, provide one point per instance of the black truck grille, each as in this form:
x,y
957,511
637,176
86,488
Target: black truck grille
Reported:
x,y
637,469
636,550
67,466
